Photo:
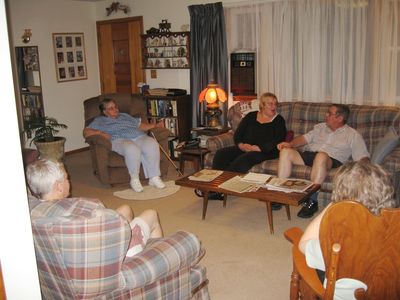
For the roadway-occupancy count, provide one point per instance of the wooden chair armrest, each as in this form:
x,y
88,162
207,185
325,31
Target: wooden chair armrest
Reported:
x,y
309,277
293,235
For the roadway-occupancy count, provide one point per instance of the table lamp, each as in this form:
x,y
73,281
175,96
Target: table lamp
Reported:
x,y
212,94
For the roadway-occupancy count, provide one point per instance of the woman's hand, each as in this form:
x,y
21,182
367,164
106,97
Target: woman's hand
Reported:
x,y
249,148
282,145
160,124
89,132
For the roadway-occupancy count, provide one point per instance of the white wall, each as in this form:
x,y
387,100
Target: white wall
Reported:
x,y
17,255
61,100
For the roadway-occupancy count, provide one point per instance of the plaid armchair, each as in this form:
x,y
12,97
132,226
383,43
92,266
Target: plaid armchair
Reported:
x,y
81,247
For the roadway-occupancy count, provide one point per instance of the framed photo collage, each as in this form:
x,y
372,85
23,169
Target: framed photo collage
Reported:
x,y
70,57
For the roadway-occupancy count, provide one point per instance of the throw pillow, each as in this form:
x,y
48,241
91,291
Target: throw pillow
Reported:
x,y
248,106
385,146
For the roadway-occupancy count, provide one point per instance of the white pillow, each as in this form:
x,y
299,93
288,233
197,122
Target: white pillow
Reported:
x,y
385,146
248,106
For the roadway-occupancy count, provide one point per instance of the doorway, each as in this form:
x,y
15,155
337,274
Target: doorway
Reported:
x,y
120,55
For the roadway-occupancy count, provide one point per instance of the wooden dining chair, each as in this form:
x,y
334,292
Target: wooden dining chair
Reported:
x,y
355,244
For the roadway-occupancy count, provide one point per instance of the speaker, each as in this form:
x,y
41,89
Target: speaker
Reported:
x,y
243,73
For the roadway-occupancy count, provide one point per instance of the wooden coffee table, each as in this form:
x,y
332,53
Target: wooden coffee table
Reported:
x,y
263,194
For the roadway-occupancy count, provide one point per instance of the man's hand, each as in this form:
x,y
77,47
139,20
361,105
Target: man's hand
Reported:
x,y
282,145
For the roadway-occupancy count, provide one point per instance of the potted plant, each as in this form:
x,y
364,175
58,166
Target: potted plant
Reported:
x,y
43,130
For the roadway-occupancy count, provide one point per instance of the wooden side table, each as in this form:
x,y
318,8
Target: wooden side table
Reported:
x,y
195,155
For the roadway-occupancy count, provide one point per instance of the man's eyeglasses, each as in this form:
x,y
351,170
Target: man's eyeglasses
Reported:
x,y
329,113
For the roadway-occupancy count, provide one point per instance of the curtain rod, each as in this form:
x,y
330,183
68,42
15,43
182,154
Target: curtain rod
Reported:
x,y
248,2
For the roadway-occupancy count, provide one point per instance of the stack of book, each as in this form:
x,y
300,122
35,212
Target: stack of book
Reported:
x,y
158,92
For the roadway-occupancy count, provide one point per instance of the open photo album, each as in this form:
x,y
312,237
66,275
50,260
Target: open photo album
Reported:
x,y
288,184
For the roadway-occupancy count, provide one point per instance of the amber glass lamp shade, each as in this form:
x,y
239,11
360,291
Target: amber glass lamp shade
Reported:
x,y
212,94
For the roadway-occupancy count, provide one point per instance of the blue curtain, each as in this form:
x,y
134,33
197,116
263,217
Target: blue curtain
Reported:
x,y
208,55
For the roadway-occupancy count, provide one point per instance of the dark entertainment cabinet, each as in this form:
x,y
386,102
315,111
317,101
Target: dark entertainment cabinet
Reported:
x,y
243,73
176,112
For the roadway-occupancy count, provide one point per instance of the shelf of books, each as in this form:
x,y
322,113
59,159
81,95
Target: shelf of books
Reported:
x,y
176,114
32,108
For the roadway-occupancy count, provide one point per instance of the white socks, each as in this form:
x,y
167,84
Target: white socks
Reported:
x,y
157,182
135,184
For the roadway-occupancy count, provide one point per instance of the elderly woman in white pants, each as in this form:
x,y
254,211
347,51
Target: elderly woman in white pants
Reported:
x,y
129,139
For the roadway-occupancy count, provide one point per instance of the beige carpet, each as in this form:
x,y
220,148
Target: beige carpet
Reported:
x,y
149,192
243,260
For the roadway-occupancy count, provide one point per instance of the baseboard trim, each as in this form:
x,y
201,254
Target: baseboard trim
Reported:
x,y
77,150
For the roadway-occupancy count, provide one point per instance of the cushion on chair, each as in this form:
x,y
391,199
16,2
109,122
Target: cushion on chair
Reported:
x,y
385,146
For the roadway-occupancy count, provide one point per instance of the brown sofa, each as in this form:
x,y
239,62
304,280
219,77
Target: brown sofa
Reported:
x,y
108,165
373,122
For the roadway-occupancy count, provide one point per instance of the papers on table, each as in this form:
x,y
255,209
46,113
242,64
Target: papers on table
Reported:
x,y
288,185
236,184
205,175
253,181
257,178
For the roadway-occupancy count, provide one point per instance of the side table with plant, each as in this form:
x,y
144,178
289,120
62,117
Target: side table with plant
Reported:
x,y
44,130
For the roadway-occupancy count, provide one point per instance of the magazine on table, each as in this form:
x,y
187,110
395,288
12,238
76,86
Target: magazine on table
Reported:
x,y
236,184
258,178
205,175
288,184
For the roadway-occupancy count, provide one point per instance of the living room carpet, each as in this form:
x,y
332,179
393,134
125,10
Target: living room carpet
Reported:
x,y
149,192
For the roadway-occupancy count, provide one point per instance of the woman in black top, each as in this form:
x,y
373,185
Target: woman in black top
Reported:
x,y
256,138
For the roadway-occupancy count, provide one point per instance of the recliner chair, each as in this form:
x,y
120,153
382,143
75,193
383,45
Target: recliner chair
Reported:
x,y
108,165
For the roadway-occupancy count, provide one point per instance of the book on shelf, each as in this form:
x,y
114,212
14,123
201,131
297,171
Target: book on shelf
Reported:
x,y
174,108
161,108
288,184
170,124
205,175
172,143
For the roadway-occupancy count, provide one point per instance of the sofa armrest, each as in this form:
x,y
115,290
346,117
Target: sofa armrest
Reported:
x,y
98,140
161,258
216,142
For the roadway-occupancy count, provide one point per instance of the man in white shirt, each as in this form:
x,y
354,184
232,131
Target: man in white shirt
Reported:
x,y
327,146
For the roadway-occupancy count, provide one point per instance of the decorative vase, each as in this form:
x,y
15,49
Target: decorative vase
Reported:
x,y
51,150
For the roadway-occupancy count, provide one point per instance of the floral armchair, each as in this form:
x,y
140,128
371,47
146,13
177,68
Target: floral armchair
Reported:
x,y
81,247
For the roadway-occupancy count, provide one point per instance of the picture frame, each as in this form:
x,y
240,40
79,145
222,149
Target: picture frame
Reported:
x,y
70,56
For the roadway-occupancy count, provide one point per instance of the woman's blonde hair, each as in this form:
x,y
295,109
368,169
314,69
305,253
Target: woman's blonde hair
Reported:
x,y
366,183
264,98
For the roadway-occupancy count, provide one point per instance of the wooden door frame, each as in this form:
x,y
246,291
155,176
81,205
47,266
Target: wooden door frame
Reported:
x,y
142,72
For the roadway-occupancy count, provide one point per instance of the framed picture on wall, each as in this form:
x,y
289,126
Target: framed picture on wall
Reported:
x,y
70,57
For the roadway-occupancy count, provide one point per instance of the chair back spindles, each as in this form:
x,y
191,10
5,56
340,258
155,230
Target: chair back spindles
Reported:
x,y
355,244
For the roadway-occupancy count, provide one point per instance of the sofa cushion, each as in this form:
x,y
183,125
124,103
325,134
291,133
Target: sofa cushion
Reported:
x,y
385,146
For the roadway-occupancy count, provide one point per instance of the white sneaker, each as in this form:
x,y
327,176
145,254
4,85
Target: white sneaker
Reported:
x,y
136,185
157,182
